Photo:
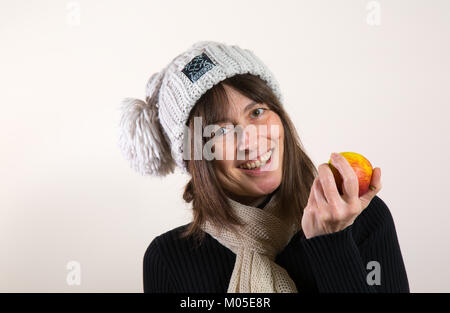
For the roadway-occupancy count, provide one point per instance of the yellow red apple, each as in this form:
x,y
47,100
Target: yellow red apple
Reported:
x,y
361,166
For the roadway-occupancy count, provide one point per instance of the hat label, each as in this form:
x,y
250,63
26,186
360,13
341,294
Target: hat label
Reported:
x,y
197,67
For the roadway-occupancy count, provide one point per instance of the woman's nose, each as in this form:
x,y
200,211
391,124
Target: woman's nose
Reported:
x,y
248,141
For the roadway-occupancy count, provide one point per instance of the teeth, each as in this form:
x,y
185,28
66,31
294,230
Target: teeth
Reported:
x,y
258,163
266,156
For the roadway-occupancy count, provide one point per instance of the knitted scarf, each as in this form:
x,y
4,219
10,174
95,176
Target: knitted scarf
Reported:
x,y
256,245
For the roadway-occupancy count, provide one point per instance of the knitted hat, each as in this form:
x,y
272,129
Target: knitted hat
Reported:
x,y
151,132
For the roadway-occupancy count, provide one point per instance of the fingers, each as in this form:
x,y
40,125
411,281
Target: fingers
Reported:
x,y
312,199
323,211
318,193
328,183
350,184
376,183
376,179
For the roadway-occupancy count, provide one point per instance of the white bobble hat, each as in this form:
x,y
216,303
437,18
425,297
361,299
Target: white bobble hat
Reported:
x,y
151,132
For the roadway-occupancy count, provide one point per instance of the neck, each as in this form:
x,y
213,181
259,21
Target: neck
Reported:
x,y
257,202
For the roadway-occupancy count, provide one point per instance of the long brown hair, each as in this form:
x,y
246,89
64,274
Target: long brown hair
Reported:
x,y
204,189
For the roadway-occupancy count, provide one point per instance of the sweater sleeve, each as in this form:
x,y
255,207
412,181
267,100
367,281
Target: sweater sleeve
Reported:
x,y
344,261
157,277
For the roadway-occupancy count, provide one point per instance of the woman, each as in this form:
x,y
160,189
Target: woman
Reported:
x,y
264,219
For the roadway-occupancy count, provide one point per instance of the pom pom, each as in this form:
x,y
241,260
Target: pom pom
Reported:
x,y
141,136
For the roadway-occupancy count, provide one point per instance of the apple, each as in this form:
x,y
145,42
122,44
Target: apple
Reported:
x,y
362,168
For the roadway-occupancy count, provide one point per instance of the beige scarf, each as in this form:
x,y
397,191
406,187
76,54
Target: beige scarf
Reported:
x,y
256,246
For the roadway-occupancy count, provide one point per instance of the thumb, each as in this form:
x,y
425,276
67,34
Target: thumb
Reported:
x,y
374,187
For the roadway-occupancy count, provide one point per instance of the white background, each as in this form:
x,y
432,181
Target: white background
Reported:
x,y
66,192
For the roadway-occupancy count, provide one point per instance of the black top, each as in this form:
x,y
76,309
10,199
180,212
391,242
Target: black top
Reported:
x,y
337,262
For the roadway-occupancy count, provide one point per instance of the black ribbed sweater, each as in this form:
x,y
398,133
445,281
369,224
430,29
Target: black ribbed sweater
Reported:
x,y
334,262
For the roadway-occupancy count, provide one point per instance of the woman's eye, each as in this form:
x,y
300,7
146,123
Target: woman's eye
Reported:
x,y
260,110
222,130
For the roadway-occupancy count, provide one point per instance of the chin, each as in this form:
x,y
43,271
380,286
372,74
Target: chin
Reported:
x,y
267,185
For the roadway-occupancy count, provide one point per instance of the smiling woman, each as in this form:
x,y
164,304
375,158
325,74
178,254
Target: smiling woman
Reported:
x,y
264,219
292,174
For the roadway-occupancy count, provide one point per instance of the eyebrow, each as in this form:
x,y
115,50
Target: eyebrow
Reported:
x,y
247,108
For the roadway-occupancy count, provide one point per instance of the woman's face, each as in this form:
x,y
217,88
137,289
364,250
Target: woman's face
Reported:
x,y
253,142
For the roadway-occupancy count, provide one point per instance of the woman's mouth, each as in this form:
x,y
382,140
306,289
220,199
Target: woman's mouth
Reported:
x,y
258,165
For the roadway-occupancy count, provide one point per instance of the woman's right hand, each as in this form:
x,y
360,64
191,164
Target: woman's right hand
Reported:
x,y
327,211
